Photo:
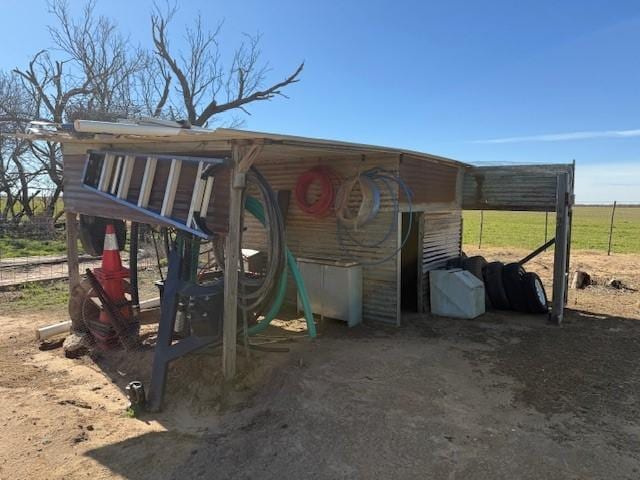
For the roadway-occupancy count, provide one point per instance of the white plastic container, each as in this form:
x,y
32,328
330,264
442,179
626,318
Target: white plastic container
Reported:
x,y
456,293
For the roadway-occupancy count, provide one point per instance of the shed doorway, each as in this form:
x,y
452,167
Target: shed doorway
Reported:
x,y
410,261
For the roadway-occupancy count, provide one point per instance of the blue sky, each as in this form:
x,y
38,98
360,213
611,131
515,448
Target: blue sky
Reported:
x,y
493,81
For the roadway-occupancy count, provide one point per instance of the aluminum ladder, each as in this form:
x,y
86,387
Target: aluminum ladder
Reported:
x,y
169,189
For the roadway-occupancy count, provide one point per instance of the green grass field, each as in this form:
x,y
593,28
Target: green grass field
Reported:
x,y
501,229
38,297
18,247
527,229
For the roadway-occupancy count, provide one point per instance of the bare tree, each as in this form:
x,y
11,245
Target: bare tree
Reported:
x,y
18,171
94,72
200,74
91,78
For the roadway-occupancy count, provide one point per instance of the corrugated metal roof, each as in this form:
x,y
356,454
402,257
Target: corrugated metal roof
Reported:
x,y
310,145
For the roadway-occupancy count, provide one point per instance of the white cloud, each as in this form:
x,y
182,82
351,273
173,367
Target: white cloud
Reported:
x,y
608,181
562,137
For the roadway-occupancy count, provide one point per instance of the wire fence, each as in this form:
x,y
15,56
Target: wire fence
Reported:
x,y
34,250
612,229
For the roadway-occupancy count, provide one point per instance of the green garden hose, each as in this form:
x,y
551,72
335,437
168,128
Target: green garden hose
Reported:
x,y
253,206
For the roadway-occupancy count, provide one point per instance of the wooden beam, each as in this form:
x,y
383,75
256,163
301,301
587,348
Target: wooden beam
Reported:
x,y
242,159
73,260
561,248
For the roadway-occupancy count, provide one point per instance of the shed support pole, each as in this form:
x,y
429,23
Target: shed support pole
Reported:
x,y
561,249
71,223
243,158
232,256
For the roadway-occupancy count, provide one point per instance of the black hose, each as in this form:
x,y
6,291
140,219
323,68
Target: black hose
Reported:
x,y
133,267
255,294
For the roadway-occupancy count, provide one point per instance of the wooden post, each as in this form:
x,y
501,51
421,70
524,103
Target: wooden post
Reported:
x,y
72,250
560,254
73,263
546,226
481,225
242,158
572,201
232,256
613,212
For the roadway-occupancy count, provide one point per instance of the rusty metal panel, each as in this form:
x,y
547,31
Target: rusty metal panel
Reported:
x,y
311,237
430,181
512,187
441,242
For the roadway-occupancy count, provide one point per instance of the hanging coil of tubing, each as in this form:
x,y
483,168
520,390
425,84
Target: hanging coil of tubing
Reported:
x,y
324,177
255,294
371,183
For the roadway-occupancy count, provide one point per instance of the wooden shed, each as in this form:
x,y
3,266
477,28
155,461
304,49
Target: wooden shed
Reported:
x,y
428,229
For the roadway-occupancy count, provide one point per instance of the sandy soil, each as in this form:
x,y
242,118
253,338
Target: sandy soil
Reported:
x,y
597,299
505,396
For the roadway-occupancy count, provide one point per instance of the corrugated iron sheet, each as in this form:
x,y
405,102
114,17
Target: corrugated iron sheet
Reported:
x,y
513,187
429,181
312,237
442,241
202,139
308,236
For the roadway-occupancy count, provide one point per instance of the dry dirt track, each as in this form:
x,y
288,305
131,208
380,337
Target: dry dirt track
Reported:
x,y
505,397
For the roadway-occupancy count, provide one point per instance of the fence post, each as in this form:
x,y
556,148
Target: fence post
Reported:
x,y
561,248
71,225
481,225
546,225
613,212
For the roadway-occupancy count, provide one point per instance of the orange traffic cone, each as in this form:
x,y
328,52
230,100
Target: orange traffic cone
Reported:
x,y
111,276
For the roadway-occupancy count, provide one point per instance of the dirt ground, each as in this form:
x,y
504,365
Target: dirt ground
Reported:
x,y
501,397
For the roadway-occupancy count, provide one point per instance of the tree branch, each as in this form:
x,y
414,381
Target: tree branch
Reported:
x,y
267,94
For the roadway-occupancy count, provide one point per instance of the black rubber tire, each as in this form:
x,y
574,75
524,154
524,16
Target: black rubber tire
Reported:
x,y
454,263
535,294
476,265
512,275
494,286
92,233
